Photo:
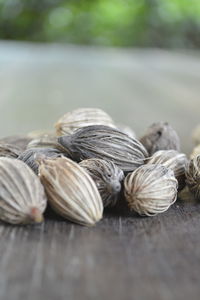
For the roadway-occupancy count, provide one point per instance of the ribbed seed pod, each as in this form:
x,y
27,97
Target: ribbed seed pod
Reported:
x,y
173,160
160,136
18,141
36,134
195,152
196,135
47,142
82,117
193,176
31,156
127,130
107,176
105,143
72,193
9,150
150,190
22,197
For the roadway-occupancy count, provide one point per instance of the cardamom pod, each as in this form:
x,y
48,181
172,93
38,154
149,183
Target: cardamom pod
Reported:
x,y
18,141
36,134
107,176
127,130
22,197
72,193
195,152
193,176
47,141
150,190
9,150
107,143
160,136
82,117
31,156
173,160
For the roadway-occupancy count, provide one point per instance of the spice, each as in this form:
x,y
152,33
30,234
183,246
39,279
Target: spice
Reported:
x,y
193,176
195,152
107,176
173,160
127,130
72,193
82,117
106,143
32,156
9,150
160,136
18,141
150,190
22,197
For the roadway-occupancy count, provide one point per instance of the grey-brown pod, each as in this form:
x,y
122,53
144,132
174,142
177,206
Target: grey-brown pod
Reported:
x,y
81,117
160,136
71,192
22,197
18,141
151,189
193,176
127,130
47,141
173,160
9,150
31,156
106,143
107,176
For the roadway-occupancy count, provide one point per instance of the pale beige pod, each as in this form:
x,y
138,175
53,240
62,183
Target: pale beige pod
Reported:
x,y
195,152
71,191
150,189
81,117
173,160
22,196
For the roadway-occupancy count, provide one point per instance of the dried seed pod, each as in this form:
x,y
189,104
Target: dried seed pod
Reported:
x,y
160,136
196,135
81,117
31,156
193,176
151,189
107,176
127,130
47,141
9,150
72,193
195,152
18,141
22,197
106,143
173,160
36,134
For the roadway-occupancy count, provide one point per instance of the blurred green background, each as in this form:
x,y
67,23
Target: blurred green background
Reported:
x,y
142,23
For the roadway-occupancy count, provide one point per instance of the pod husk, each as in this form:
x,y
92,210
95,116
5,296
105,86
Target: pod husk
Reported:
x,y
107,143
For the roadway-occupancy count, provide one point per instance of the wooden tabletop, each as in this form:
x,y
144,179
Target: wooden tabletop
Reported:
x,y
124,256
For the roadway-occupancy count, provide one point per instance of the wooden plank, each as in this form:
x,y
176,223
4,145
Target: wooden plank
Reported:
x,y
121,258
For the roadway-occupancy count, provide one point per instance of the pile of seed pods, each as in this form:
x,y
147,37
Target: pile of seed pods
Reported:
x,y
87,163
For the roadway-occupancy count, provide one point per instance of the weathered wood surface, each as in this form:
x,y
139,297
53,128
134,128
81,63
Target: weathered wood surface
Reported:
x,y
124,256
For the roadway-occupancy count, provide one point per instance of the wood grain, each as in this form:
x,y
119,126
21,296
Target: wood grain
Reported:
x,y
124,256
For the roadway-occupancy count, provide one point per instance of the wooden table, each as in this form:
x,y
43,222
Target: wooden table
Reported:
x,y
124,256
